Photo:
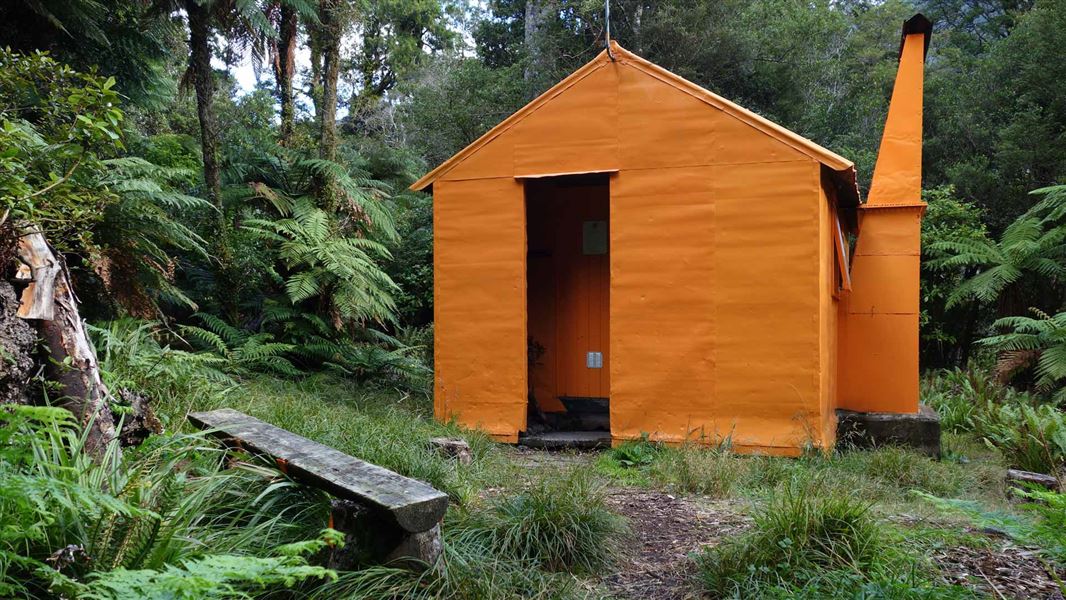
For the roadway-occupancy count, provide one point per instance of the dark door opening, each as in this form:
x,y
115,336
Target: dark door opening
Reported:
x,y
568,303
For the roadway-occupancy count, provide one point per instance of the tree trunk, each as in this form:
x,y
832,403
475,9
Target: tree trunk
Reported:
x,y
538,12
204,83
49,300
284,68
329,45
17,345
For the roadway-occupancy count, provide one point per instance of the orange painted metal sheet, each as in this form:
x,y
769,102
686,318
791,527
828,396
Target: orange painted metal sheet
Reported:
x,y
898,174
879,333
572,131
881,376
828,304
687,131
767,286
869,294
715,304
480,304
662,304
891,232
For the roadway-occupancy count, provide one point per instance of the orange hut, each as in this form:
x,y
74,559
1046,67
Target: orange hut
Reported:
x,y
633,242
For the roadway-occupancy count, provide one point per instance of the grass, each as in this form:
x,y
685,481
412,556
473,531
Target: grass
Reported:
x,y
689,468
825,524
379,426
559,522
884,475
809,542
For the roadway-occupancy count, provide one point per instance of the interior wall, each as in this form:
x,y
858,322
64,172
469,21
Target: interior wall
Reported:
x,y
568,290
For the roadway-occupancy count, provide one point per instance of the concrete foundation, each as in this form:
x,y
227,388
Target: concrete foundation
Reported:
x,y
872,429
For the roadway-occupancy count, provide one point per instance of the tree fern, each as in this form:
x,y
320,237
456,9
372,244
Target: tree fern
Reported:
x,y
142,232
323,262
1028,247
1043,339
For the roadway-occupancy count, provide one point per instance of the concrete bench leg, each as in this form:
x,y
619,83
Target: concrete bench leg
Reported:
x,y
371,537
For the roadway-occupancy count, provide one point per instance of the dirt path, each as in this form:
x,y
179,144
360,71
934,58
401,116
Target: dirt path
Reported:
x,y
666,529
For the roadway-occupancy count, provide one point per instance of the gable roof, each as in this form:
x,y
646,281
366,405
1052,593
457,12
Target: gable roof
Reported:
x,y
842,168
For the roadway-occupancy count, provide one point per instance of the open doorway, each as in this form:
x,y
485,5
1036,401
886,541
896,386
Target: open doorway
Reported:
x,y
568,304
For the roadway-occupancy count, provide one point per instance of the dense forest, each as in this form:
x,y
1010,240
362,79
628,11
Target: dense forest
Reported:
x,y
224,182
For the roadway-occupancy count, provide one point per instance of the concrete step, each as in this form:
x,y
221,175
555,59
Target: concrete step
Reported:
x,y
566,440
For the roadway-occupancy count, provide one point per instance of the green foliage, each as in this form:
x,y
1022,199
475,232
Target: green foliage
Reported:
x,y
1040,343
808,544
141,233
560,523
1049,529
243,350
324,262
796,535
1030,434
331,258
946,218
469,571
140,517
635,453
1043,527
215,576
1026,248
694,469
132,357
56,127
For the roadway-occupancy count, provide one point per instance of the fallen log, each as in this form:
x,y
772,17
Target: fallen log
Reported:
x,y
1017,476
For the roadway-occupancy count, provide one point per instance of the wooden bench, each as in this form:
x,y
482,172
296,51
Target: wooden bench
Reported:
x,y
384,515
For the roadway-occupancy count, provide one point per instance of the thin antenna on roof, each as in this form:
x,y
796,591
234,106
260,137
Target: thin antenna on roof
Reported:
x,y
607,27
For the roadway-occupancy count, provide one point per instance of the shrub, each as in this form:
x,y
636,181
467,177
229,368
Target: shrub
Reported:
x,y
560,523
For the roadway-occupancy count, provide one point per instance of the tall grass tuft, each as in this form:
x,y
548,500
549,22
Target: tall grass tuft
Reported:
x,y
561,523
689,468
467,571
797,535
